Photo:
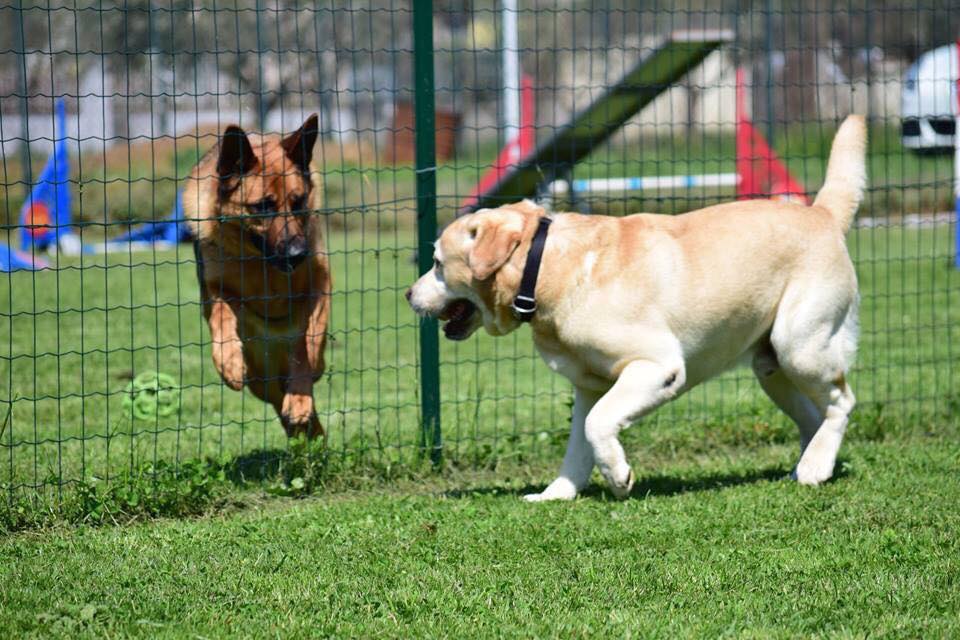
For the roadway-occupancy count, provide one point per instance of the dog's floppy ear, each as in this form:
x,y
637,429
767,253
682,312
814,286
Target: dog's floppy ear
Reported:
x,y
236,154
299,144
495,238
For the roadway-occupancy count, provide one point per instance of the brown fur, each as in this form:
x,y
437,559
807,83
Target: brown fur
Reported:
x,y
267,326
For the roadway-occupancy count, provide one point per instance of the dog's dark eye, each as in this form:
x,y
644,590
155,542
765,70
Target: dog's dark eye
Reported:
x,y
299,204
267,206
437,264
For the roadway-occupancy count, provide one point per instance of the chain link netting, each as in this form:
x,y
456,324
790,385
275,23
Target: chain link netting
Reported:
x,y
149,85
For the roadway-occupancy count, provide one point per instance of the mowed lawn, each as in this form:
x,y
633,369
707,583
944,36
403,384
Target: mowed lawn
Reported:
x,y
714,544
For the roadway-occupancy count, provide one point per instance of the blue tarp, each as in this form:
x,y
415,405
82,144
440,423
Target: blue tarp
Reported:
x,y
12,259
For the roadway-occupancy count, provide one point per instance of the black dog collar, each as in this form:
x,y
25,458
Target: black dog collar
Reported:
x,y
525,304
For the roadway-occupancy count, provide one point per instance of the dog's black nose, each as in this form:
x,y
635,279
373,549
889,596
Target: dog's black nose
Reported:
x,y
290,254
408,294
295,250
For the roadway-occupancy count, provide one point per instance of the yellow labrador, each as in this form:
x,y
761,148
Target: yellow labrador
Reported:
x,y
637,310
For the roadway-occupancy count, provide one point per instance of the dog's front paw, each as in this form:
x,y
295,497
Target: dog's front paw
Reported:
x,y
621,488
228,359
559,489
297,414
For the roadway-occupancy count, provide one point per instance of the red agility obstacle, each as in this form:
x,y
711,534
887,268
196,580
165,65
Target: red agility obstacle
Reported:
x,y
515,149
762,173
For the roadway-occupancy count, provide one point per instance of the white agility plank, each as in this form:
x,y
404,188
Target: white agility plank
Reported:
x,y
646,183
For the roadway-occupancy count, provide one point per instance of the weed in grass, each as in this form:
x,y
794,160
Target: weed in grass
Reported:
x,y
153,489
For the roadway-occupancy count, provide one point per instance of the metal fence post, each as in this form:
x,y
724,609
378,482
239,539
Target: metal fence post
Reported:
x,y
261,101
426,164
26,170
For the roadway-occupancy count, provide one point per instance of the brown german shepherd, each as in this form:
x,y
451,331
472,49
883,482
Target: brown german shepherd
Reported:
x,y
262,266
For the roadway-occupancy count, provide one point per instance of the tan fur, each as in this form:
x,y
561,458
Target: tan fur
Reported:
x,y
637,310
846,173
493,244
268,327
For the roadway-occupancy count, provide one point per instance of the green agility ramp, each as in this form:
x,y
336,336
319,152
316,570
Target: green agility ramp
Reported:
x,y
662,66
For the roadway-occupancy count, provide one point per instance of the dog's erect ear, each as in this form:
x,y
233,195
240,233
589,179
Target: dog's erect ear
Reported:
x,y
495,238
236,154
299,144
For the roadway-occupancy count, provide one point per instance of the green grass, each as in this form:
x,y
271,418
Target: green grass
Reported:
x,y
711,544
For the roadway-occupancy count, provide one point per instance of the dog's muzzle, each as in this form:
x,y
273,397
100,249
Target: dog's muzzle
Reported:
x,y
288,256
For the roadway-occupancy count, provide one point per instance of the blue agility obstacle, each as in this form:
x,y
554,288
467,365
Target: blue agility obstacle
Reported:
x,y
45,216
164,232
13,259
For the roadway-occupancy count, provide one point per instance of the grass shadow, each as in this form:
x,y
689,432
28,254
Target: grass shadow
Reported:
x,y
669,485
256,466
651,485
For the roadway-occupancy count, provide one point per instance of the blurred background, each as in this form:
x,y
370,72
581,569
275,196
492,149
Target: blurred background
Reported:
x,y
146,83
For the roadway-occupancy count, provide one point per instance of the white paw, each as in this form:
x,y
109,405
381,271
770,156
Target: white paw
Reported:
x,y
814,470
622,488
545,497
559,489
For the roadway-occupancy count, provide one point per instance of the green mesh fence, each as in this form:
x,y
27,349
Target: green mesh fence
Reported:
x,y
416,103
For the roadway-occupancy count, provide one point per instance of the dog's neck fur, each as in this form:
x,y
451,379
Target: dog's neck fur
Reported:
x,y
509,277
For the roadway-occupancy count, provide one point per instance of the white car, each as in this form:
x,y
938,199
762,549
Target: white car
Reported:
x,y
929,100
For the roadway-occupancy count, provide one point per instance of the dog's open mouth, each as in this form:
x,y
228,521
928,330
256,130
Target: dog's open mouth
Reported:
x,y
459,316
286,263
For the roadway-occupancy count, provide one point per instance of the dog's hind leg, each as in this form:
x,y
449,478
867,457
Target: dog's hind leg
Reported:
x,y
786,395
307,423
315,331
815,353
643,386
268,389
820,455
578,461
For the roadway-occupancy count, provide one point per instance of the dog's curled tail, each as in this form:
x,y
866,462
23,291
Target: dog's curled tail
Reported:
x,y
846,178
